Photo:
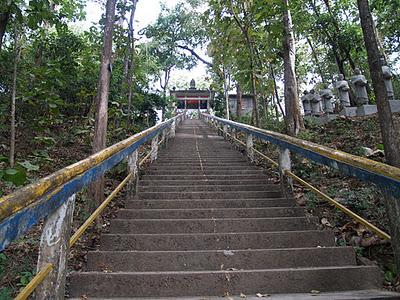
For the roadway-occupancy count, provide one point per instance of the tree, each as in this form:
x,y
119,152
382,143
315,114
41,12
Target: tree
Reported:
x,y
390,133
172,35
129,59
293,118
13,96
100,129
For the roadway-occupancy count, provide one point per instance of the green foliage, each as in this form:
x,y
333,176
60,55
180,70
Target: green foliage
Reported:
x,y
17,176
5,294
25,278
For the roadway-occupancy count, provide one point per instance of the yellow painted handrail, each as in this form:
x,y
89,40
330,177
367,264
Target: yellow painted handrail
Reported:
x,y
340,156
321,194
27,195
33,284
42,274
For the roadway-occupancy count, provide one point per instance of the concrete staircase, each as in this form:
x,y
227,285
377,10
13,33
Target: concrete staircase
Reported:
x,y
209,223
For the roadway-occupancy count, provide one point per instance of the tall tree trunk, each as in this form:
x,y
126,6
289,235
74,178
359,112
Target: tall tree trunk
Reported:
x,y
278,100
13,96
249,43
167,76
390,134
226,93
255,113
316,60
293,118
100,128
4,18
239,95
130,60
333,42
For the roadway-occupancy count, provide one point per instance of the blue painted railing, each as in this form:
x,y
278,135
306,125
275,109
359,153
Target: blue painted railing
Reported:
x,y
386,177
23,209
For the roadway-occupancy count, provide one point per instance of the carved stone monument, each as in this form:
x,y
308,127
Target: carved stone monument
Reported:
x,y
343,89
306,103
387,78
327,97
360,85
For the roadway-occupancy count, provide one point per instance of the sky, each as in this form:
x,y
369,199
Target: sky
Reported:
x,y
147,12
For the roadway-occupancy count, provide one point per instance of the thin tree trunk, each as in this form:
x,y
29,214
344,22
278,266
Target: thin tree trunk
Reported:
x,y
249,43
226,93
239,95
334,45
13,97
390,134
256,113
293,118
100,129
130,60
4,18
276,92
316,60
167,76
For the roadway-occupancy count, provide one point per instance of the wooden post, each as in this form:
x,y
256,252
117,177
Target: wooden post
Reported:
x,y
154,148
54,249
133,167
285,165
249,146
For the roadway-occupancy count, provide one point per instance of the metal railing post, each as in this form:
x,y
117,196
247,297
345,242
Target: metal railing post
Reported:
x,y
154,148
249,146
54,249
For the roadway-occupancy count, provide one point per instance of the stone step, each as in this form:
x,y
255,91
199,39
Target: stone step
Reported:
x,y
370,294
220,283
147,261
207,213
203,182
154,226
216,241
248,171
211,203
203,157
233,177
167,164
210,195
209,188
204,168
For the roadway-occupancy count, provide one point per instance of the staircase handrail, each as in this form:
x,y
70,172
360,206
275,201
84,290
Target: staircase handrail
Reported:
x,y
385,176
23,208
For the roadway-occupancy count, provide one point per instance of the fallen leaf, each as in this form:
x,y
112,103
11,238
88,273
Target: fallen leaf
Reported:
x,y
325,222
242,295
228,253
259,295
315,292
